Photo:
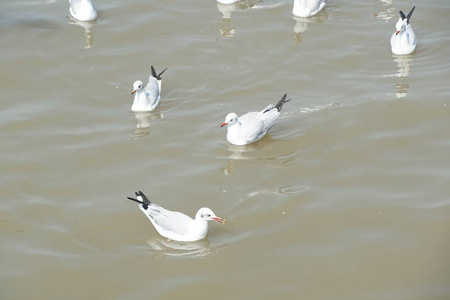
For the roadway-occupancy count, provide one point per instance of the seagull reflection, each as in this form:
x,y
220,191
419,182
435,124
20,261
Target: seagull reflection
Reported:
x,y
87,25
227,28
404,63
226,7
144,122
180,249
389,13
302,24
228,169
402,89
252,151
238,152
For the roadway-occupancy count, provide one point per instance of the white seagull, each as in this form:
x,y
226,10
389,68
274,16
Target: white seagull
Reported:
x,y
175,225
82,10
404,41
307,8
252,126
147,98
227,1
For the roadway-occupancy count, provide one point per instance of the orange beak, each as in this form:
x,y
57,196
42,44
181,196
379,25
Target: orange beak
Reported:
x,y
133,92
397,32
219,220
223,124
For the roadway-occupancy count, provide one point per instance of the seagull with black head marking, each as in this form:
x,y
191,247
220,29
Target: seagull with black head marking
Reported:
x,y
404,40
147,98
175,225
252,126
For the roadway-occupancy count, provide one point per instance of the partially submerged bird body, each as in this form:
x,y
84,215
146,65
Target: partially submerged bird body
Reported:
x,y
227,1
403,40
175,225
308,8
147,98
252,126
82,10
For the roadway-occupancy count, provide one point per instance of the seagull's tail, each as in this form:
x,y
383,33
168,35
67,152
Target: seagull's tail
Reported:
x,y
141,198
282,101
279,105
157,76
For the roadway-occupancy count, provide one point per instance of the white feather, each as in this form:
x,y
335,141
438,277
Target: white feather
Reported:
x,y
307,8
82,10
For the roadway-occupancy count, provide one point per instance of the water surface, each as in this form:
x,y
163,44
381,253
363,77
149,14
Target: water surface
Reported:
x,y
347,198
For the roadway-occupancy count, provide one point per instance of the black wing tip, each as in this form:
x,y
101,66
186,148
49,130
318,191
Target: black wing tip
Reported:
x,y
135,200
284,98
408,17
402,15
145,200
157,76
282,101
279,104
143,203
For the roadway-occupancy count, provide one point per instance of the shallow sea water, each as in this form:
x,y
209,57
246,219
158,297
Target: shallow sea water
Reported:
x,y
346,198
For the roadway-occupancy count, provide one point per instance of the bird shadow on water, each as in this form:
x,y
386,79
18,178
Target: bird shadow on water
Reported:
x,y
404,63
87,26
226,26
239,152
227,7
144,122
301,24
388,10
263,150
161,246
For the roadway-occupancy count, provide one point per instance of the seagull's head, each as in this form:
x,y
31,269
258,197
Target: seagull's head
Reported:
x,y
401,25
137,85
207,214
230,119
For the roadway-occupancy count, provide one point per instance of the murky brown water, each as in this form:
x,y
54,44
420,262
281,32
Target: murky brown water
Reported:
x,y
348,198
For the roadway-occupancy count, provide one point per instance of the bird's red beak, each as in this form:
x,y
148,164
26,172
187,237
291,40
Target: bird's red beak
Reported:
x,y
219,220
133,92
223,124
397,32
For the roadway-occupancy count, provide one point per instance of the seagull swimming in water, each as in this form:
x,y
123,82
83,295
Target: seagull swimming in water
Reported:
x,y
82,10
404,40
252,126
175,225
307,8
147,98
227,1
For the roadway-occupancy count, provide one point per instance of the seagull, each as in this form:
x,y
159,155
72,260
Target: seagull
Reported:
x,y
82,10
175,225
404,41
252,126
308,8
227,1
147,98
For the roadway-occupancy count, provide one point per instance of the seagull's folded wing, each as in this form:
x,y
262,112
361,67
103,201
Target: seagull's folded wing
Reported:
x,y
169,220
